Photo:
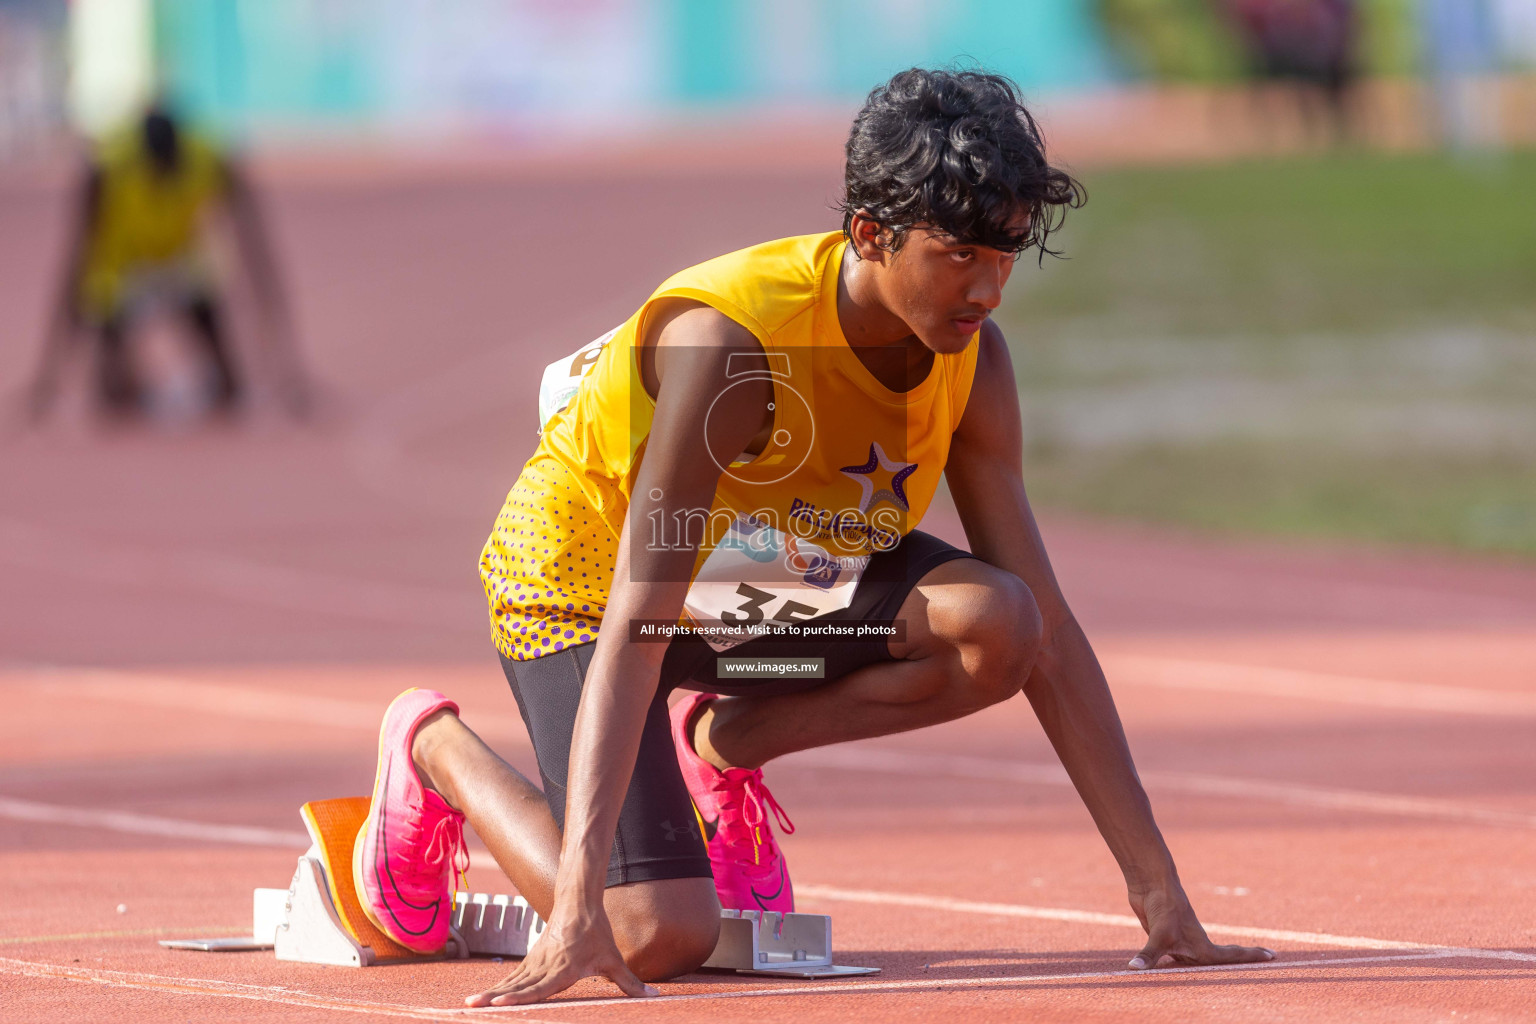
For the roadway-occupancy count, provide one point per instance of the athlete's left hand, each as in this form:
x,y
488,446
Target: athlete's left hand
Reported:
x,y
574,946
1175,937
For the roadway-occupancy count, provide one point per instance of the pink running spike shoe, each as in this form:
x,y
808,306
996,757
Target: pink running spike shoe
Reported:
x,y
412,842
733,808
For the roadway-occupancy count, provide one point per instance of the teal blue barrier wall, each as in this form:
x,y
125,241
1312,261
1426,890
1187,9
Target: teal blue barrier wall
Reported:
x,y
841,48
229,62
391,64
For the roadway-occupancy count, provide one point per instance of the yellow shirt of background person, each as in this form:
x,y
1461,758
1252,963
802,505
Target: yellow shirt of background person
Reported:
x,y
850,467
147,220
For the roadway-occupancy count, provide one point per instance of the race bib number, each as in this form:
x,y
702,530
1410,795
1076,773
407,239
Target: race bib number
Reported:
x,y
758,578
563,376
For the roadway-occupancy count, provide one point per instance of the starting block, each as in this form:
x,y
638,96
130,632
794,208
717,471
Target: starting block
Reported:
x,y
318,919
779,945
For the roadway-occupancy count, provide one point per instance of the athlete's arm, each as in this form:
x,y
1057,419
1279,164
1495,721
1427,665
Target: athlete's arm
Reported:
x,y
65,318
1066,687
256,255
650,582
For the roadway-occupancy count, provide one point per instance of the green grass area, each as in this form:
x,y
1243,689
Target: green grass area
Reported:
x,y
1338,346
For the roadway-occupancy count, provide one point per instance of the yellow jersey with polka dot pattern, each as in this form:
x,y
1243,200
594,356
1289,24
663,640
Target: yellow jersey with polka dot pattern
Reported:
x,y
850,466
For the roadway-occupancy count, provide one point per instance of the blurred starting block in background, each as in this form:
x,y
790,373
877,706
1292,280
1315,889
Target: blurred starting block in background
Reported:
x,y
318,919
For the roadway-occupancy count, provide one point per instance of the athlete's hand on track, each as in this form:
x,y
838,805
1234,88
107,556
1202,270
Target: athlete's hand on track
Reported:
x,y
563,956
1175,937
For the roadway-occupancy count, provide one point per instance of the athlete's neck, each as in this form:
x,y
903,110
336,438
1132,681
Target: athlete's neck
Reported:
x,y
869,326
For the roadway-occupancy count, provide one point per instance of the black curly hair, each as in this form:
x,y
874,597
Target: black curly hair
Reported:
x,y
958,151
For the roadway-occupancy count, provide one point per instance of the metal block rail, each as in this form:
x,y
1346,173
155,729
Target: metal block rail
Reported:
x,y
495,925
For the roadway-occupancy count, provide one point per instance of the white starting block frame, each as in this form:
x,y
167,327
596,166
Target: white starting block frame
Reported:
x,y
300,924
778,945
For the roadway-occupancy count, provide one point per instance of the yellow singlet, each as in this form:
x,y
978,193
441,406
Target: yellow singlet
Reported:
x,y
850,468
145,220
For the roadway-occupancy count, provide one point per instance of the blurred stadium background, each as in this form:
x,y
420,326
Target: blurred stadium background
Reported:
x,y
1301,301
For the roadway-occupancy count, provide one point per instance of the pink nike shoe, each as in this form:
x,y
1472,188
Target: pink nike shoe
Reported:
x,y
733,807
412,842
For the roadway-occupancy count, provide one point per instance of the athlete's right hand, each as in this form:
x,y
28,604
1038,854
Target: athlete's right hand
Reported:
x,y
574,946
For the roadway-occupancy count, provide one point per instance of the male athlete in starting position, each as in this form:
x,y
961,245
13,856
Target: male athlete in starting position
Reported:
x,y
756,445
142,208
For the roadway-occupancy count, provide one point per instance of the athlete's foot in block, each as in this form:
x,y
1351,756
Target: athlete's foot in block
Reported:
x,y
736,814
412,843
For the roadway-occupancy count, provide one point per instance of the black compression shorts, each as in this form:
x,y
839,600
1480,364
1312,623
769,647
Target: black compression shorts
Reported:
x,y
657,837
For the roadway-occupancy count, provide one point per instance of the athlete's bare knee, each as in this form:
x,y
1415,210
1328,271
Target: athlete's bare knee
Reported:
x,y
672,948
665,928
998,640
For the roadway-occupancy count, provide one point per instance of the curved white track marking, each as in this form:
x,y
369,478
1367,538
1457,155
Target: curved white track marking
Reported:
x,y
291,997
903,899
147,824
462,389
221,698
224,990
916,763
239,579
1190,674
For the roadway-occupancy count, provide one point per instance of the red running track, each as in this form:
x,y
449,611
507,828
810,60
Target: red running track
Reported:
x,y
199,631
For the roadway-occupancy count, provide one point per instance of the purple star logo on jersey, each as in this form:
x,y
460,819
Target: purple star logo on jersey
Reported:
x,y
894,491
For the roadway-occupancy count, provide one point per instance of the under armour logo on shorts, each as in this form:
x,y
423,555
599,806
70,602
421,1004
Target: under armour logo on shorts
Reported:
x,y
674,832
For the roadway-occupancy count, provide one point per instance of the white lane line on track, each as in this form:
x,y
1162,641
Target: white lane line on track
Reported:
x,y
1249,680
143,824
290,997
239,579
220,698
249,702
224,990
1123,669
147,824
861,757
1020,980
948,904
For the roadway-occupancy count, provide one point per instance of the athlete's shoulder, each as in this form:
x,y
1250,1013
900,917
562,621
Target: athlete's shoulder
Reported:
x,y
991,347
773,281
116,150
983,376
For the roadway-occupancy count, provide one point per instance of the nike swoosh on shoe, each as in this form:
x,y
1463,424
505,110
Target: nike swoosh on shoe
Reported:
x,y
769,897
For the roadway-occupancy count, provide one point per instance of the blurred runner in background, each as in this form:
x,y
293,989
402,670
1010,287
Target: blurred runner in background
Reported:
x,y
137,244
1308,44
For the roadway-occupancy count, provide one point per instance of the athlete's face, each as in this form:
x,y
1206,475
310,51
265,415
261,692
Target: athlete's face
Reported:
x,y
941,287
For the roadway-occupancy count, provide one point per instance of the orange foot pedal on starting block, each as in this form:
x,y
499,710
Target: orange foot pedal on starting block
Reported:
x,y
324,921
319,918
